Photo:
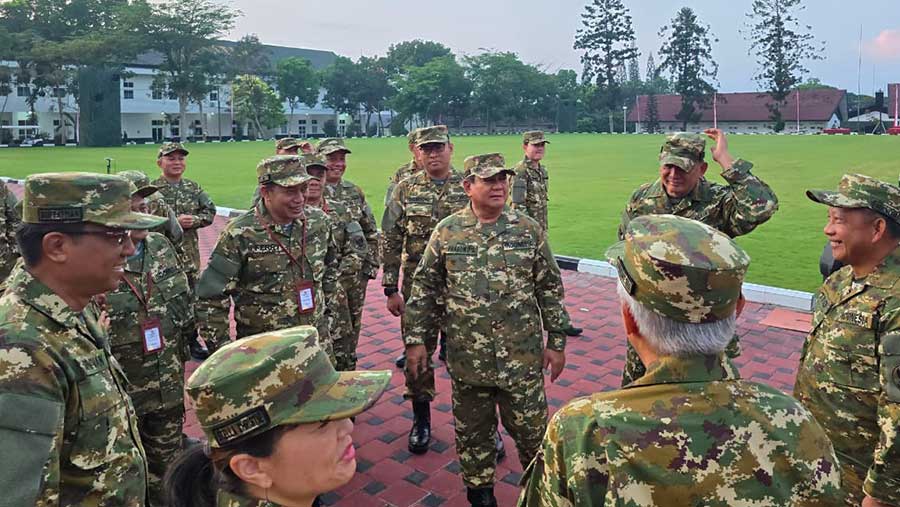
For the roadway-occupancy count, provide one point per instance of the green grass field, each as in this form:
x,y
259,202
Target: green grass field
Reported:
x,y
592,176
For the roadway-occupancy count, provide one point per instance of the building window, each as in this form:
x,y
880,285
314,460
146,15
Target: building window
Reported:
x,y
23,91
129,94
156,94
302,131
301,122
315,122
342,122
128,84
175,131
315,129
59,92
214,96
157,123
284,129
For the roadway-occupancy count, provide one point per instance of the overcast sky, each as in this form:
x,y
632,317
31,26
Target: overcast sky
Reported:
x,y
542,31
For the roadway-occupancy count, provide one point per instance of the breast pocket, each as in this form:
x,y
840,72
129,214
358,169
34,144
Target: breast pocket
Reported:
x,y
265,273
519,259
849,351
419,220
174,291
464,279
99,399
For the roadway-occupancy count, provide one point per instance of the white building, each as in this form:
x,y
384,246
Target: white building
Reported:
x,y
152,116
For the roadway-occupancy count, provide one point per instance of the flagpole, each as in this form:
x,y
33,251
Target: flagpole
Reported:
x,y
798,110
715,110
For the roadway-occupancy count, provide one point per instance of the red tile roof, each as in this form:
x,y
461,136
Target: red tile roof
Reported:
x,y
815,105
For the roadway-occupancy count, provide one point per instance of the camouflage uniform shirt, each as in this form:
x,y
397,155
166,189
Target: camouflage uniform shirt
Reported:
x,y
187,198
226,499
250,268
689,432
735,209
530,191
502,289
156,381
9,219
849,376
415,208
354,199
68,430
404,171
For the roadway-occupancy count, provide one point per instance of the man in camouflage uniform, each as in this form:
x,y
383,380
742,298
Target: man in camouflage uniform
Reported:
x,y
417,204
291,146
849,375
406,170
735,209
351,251
9,219
153,294
68,431
530,190
339,190
690,431
489,279
192,206
157,206
277,262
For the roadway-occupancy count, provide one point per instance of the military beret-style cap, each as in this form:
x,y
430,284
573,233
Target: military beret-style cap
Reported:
x,y
860,191
534,137
680,268
282,170
141,182
485,166
683,150
287,142
331,145
272,379
411,136
167,148
73,198
429,135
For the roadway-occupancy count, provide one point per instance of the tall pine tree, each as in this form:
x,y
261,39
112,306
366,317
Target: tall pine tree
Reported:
x,y
607,39
781,46
687,56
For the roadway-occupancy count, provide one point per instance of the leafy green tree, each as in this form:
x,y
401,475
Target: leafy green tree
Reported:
x,y
256,102
434,91
781,46
297,82
249,56
504,88
413,53
687,56
185,33
351,87
607,39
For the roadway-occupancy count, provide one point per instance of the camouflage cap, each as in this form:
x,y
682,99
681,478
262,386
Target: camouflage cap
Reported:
x,y
287,142
72,198
860,191
167,148
534,137
272,379
282,170
141,182
435,134
680,268
311,160
411,136
683,150
331,145
485,166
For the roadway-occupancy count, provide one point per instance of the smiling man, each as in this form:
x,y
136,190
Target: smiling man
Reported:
x,y
277,262
849,375
683,190
68,430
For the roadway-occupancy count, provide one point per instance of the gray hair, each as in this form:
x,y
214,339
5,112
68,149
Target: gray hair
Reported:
x,y
670,337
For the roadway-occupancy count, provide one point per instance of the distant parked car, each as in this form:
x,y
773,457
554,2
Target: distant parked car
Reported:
x,y
32,141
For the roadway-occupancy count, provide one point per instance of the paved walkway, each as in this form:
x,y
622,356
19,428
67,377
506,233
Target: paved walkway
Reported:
x,y
390,476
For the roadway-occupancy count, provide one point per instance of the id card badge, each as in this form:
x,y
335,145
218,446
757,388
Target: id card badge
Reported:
x,y
152,337
306,297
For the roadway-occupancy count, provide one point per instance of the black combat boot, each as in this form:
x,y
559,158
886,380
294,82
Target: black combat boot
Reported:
x,y
420,434
481,497
401,361
442,353
498,445
573,331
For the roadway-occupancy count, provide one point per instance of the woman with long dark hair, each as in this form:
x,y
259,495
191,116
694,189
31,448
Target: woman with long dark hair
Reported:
x,y
277,418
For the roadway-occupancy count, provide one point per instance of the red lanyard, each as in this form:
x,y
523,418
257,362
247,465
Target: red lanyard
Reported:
x,y
285,249
143,299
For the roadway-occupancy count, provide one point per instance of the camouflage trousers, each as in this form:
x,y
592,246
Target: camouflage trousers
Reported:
x,y
421,388
344,330
635,368
523,411
161,436
852,479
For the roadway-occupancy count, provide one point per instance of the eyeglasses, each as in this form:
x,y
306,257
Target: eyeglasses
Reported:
x,y
119,236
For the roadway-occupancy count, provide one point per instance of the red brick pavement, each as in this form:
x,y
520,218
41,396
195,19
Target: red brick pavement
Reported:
x,y
389,476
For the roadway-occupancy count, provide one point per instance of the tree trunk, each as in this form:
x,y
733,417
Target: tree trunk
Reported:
x,y
202,118
63,137
182,116
291,118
